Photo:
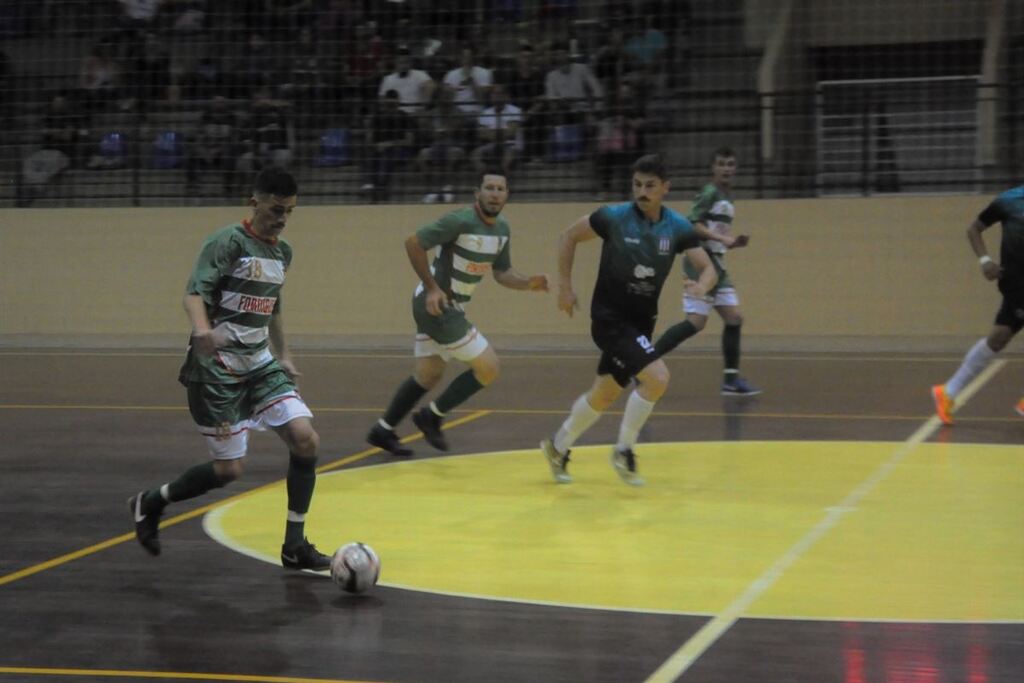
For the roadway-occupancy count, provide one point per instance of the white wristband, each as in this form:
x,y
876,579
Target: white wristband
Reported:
x,y
985,259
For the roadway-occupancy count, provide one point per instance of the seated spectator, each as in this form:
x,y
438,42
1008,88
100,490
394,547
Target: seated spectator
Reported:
x,y
524,82
612,64
469,85
64,128
267,137
498,129
213,147
572,92
620,140
415,88
438,161
99,78
204,79
389,139
648,48
149,72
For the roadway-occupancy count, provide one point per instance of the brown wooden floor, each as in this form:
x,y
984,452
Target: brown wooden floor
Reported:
x,y
82,431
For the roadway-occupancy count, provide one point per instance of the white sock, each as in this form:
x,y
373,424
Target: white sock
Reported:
x,y
638,409
976,360
580,419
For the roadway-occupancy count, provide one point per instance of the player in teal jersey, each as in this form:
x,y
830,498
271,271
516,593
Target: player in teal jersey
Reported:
x,y
1008,272
641,240
235,383
471,242
712,215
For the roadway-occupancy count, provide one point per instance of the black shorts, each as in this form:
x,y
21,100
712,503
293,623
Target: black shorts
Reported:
x,y
626,348
1011,312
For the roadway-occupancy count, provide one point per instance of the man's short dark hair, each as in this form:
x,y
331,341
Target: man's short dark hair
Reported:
x,y
492,170
724,151
651,164
275,181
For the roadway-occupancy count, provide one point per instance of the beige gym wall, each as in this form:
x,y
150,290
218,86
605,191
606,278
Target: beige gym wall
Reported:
x,y
889,273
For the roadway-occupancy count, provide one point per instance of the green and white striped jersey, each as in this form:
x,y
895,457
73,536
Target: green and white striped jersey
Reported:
x,y
469,249
239,275
715,209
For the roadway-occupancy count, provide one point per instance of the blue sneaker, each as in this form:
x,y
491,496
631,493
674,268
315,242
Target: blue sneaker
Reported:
x,y
737,386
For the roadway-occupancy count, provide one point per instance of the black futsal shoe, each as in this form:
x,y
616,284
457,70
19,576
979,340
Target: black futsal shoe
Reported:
x,y
429,423
305,556
386,439
147,526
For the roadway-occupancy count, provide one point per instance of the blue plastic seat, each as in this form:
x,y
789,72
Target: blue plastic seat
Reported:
x,y
335,149
168,149
566,143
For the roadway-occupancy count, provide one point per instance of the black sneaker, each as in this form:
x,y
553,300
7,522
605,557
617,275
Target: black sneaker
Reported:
x,y
387,440
147,526
737,386
430,424
624,463
305,556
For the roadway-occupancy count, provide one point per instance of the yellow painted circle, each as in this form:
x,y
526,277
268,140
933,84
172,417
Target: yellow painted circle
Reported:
x,y
937,538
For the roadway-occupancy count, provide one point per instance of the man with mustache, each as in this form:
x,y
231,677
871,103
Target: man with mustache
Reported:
x,y
641,240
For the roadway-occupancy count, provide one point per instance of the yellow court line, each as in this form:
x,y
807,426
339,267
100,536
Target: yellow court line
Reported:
x,y
688,653
165,675
90,550
544,411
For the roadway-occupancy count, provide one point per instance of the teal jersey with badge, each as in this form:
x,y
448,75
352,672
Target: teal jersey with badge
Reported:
x,y
636,257
1008,209
239,276
468,249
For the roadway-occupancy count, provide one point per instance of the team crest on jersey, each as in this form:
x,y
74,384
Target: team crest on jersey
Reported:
x,y
664,244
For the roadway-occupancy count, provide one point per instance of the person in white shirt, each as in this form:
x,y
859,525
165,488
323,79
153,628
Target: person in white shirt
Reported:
x,y
498,130
415,88
469,86
571,88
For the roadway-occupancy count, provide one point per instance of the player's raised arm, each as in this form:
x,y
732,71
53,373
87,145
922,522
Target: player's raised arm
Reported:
x,y
580,231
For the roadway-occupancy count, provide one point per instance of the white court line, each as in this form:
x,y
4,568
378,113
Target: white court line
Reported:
x,y
683,658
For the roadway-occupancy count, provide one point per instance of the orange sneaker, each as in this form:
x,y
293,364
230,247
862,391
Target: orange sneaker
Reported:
x,y
943,404
1020,406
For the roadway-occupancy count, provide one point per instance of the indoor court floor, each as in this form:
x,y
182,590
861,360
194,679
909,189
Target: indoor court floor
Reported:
x,y
829,529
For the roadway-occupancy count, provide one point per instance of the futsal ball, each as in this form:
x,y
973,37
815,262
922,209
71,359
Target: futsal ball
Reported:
x,y
355,567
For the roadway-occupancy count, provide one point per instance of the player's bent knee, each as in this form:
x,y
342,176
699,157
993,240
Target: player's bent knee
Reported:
x,y
228,470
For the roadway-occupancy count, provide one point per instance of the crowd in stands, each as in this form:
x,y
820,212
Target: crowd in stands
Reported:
x,y
422,85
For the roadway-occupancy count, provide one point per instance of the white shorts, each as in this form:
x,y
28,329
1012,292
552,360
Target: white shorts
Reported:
x,y
465,349
703,306
232,442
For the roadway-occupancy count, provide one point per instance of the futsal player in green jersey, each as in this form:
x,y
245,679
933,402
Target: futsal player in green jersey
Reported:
x,y
712,215
1008,272
641,240
471,242
238,371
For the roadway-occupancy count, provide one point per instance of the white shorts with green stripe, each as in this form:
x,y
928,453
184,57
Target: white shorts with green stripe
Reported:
x,y
466,349
723,297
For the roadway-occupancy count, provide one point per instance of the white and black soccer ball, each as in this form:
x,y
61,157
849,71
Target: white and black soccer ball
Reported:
x,y
355,567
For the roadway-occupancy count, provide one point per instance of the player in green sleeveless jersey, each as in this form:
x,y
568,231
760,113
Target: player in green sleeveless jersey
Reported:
x,y
235,383
712,215
471,242
640,242
1008,272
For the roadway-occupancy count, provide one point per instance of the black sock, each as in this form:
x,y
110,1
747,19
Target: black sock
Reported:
x,y
731,349
674,336
195,481
300,484
407,395
458,392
